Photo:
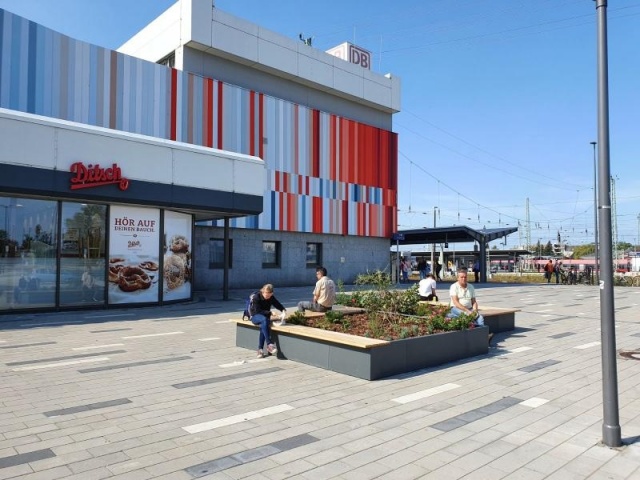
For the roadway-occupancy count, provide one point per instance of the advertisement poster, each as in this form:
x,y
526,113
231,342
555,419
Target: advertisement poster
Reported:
x,y
177,256
133,254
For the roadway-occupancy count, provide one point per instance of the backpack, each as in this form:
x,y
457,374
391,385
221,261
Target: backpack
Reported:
x,y
247,312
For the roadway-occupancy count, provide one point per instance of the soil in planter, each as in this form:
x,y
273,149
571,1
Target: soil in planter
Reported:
x,y
385,329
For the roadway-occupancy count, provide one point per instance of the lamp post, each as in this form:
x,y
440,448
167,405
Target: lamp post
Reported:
x,y
433,245
595,212
611,432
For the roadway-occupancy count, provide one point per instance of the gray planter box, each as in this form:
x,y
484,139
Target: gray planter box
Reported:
x,y
373,362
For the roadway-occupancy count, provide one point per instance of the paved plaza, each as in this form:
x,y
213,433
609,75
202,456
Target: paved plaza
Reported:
x,y
164,393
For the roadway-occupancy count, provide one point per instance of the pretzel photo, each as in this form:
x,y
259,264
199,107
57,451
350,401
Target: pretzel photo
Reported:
x,y
174,271
131,279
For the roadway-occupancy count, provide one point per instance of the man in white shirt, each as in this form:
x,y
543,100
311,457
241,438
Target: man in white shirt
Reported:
x,y
324,295
427,288
463,298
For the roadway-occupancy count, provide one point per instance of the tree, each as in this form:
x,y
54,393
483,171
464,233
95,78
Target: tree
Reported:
x,y
548,249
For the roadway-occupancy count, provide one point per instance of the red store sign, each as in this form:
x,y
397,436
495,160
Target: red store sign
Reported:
x,y
96,176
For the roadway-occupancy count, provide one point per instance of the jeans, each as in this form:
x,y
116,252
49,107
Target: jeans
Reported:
x,y
313,306
456,312
265,331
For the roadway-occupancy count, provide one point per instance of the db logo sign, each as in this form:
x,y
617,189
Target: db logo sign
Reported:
x,y
359,57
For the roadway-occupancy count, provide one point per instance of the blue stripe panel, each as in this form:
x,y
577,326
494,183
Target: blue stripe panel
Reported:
x,y
31,68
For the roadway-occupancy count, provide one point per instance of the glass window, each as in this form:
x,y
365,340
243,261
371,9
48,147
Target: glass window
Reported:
x,y
177,249
82,254
216,253
270,254
28,252
314,254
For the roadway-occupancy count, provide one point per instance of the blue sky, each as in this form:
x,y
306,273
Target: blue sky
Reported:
x,y
498,98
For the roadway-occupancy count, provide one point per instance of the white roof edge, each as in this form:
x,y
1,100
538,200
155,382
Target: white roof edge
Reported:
x,y
137,137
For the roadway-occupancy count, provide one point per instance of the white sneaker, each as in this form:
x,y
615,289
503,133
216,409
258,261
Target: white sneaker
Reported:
x,y
272,349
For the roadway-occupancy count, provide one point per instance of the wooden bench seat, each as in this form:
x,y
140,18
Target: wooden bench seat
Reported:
x,y
318,333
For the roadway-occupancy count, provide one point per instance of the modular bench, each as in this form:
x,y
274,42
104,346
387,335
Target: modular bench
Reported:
x,y
497,319
363,357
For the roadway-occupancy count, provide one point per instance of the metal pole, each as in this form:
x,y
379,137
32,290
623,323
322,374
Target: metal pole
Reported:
x,y
611,434
595,214
433,245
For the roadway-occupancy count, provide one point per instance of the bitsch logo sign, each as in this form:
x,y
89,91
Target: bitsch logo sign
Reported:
x,y
96,176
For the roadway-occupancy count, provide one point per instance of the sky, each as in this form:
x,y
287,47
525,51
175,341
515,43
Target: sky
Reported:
x,y
499,99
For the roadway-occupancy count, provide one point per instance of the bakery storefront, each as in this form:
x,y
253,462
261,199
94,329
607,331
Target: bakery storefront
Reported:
x,y
92,217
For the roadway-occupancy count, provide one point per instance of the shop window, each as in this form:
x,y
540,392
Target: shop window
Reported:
x,y
82,254
28,247
216,253
270,254
314,255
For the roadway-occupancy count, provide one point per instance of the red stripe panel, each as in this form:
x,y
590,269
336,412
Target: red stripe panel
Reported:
x,y
315,144
317,215
208,113
345,218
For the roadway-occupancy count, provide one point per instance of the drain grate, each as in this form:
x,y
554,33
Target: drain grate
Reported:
x,y
631,354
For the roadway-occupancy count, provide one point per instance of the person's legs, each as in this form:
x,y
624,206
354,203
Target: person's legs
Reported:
x,y
263,322
479,321
302,306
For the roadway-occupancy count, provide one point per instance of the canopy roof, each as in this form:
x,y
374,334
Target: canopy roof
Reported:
x,y
455,234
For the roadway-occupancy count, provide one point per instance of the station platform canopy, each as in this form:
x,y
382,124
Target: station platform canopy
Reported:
x,y
454,234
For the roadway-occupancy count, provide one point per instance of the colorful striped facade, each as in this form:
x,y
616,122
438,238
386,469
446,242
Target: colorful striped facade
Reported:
x,y
326,174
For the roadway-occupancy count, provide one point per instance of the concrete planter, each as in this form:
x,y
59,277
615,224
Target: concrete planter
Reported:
x,y
371,362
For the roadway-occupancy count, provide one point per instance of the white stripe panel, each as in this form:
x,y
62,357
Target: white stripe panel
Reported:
x,y
208,339
60,364
587,345
99,346
425,393
243,417
152,335
534,402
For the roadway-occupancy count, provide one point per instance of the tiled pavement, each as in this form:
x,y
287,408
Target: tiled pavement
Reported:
x,y
163,393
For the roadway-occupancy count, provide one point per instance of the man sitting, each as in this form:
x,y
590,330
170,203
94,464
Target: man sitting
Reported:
x,y
463,299
427,288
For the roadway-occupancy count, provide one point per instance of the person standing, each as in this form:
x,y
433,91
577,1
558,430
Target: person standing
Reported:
x,y
556,269
260,304
438,270
324,294
422,268
476,271
427,288
463,299
548,270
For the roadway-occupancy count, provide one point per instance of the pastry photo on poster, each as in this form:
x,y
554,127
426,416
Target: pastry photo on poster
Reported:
x,y
133,254
177,272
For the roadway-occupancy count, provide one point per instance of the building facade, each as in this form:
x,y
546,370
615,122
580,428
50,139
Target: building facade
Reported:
x,y
287,146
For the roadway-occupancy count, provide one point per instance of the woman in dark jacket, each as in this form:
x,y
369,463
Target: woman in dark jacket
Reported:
x,y
260,314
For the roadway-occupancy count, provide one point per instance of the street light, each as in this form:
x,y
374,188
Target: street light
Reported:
x,y
595,212
433,245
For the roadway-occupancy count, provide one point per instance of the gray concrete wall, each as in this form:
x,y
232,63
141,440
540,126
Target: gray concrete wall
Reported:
x,y
343,256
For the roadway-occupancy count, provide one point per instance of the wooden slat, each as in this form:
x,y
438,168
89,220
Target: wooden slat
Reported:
x,y
320,334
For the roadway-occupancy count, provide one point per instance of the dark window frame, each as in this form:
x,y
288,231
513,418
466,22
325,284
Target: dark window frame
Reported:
x,y
215,264
277,252
318,256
